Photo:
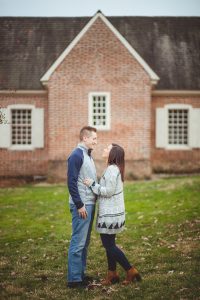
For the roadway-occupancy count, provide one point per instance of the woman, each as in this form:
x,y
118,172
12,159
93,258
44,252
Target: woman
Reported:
x,y
111,213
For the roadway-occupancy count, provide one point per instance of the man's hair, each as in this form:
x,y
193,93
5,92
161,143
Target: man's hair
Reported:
x,y
86,131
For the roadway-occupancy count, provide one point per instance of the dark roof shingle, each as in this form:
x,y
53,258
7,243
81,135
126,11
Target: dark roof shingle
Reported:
x,y
170,45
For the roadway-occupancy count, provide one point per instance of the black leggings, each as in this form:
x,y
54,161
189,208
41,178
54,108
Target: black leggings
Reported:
x,y
114,254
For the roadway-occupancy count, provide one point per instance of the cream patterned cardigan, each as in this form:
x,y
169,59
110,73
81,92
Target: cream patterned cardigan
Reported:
x,y
111,210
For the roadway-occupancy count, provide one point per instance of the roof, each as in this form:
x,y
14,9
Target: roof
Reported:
x,y
153,76
169,45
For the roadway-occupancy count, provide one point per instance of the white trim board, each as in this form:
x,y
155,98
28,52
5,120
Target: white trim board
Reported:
x,y
175,93
153,76
22,92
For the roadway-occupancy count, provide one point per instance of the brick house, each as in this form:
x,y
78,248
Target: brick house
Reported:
x,y
137,79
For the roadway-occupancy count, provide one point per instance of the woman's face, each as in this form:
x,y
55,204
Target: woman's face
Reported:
x,y
106,151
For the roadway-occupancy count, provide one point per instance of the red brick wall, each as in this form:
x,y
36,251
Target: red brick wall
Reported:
x,y
25,163
173,161
99,62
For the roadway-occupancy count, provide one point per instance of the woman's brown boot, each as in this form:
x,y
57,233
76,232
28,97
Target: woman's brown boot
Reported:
x,y
111,278
132,275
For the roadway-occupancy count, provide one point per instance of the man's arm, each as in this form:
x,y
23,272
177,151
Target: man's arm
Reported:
x,y
75,162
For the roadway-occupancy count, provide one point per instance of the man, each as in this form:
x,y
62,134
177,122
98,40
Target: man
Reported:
x,y
82,205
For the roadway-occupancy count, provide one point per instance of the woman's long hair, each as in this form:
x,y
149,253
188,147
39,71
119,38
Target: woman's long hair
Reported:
x,y
116,156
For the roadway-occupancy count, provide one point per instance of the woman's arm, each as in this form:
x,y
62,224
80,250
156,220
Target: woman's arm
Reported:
x,y
110,177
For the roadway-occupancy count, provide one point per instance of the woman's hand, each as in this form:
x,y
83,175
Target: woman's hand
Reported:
x,y
88,181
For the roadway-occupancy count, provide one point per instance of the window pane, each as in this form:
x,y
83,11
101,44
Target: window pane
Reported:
x,y
99,110
21,126
178,126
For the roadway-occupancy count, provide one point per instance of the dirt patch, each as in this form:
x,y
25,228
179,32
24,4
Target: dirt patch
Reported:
x,y
21,181
42,180
11,289
179,183
186,247
13,182
3,262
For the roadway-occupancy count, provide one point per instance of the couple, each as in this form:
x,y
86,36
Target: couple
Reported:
x,y
84,190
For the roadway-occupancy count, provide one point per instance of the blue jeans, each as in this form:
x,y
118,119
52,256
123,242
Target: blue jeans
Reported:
x,y
77,253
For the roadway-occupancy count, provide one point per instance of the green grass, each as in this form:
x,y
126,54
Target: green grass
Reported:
x,y
162,239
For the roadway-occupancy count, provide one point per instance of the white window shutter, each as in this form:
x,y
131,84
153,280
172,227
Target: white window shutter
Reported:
x,y
38,127
161,128
5,129
194,128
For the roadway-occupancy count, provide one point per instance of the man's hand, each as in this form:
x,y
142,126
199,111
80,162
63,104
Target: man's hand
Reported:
x,y
88,181
82,212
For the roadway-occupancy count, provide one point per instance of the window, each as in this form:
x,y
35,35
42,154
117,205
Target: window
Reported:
x,y
21,127
99,110
178,127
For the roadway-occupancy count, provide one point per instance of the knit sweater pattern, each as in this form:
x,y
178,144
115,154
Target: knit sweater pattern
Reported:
x,y
111,208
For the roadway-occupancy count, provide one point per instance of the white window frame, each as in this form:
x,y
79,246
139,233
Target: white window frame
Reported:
x,y
178,106
20,106
90,110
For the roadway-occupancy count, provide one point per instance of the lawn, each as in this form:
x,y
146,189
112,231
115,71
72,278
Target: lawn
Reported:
x,y
162,239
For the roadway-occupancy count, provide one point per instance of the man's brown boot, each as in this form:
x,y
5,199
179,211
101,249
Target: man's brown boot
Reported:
x,y
132,275
111,278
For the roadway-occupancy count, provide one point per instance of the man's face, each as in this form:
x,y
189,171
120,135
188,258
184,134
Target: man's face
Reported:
x,y
91,140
